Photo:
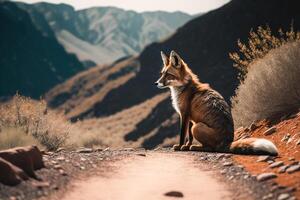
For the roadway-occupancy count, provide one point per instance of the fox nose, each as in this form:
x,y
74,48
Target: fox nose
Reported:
x,y
156,83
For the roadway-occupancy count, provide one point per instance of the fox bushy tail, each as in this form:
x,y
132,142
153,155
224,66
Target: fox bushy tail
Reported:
x,y
253,146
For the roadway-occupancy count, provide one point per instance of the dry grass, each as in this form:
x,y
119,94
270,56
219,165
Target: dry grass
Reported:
x,y
31,122
259,44
14,136
271,86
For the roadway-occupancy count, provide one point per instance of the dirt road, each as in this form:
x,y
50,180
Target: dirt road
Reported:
x,y
140,174
151,177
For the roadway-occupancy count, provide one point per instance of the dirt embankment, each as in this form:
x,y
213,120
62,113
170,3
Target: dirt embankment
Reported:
x,y
285,133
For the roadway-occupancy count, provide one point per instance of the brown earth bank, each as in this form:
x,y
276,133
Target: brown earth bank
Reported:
x,y
284,132
65,172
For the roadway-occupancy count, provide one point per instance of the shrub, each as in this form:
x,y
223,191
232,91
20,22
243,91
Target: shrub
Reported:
x,y
270,87
258,45
30,122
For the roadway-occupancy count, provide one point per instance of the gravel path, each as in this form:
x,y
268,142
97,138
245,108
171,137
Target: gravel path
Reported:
x,y
137,174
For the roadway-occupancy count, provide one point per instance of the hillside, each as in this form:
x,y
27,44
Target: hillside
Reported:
x,y
105,34
31,62
204,49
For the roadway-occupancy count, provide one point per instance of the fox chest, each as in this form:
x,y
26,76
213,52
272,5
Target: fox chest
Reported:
x,y
176,103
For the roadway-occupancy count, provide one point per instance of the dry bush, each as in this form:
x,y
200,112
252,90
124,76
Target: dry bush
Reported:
x,y
258,45
270,87
29,122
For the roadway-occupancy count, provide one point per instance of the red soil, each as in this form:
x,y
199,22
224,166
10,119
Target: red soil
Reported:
x,y
289,151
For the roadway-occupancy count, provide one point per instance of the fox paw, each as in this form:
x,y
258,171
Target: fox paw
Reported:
x,y
176,147
196,148
184,148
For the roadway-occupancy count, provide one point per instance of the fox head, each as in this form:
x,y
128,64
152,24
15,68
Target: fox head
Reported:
x,y
174,73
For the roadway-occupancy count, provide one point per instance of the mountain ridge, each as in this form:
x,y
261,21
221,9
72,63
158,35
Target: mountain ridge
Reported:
x,y
109,32
31,62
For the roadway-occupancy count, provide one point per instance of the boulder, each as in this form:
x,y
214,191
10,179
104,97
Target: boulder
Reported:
x,y
11,174
26,158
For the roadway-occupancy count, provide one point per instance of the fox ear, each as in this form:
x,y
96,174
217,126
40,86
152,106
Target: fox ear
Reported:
x,y
175,59
164,58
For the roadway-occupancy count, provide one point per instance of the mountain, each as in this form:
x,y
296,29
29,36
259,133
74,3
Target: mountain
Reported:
x,y
105,34
204,43
31,62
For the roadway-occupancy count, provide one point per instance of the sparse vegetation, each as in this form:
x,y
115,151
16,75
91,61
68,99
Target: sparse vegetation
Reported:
x,y
259,44
271,86
25,121
15,136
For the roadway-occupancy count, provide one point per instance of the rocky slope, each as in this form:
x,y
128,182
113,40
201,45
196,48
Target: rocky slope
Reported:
x,y
204,43
105,34
31,62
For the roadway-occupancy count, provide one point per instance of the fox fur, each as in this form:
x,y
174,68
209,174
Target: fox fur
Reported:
x,y
204,114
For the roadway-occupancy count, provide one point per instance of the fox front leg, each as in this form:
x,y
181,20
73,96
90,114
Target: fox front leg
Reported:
x,y
184,121
189,142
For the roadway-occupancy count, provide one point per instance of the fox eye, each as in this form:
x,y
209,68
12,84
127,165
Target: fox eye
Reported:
x,y
170,77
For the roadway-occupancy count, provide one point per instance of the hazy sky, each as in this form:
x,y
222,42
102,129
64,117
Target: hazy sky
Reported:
x,y
189,6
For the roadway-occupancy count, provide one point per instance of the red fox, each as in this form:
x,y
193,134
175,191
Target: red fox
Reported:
x,y
204,114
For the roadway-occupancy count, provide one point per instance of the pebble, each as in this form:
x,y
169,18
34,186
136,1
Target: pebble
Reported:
x,y
60,158
263,158
293,169
253,126
54,162
106,149
128,149
294,163
246,176
219,156
98,149
290,189
223,171
266,176
82,167
276,164
45,158
283,196
282,169
141,154
40,184
60,149
62,172
85,150
57,167
286,137
12,198
270,131
174,194
277,187
82,159
157,149
291,159
227,155
226,164
50,153
270,161
240,166
268,196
